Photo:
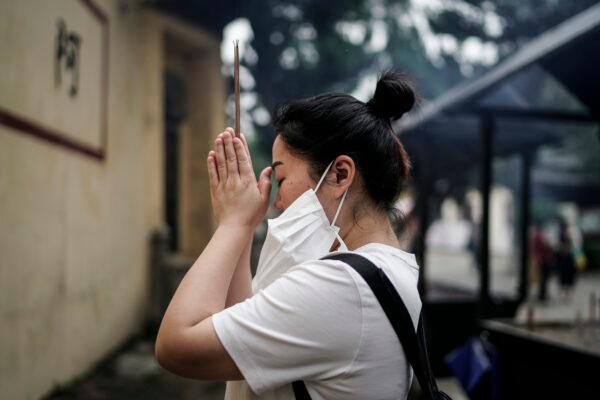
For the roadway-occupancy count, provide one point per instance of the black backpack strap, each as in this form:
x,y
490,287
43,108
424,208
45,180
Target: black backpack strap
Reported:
x,y
300,391
413,343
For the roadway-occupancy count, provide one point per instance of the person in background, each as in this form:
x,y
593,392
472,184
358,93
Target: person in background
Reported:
x,y
565,262
577,240
542,259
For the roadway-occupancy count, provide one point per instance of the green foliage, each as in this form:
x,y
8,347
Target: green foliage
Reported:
x,y
323,59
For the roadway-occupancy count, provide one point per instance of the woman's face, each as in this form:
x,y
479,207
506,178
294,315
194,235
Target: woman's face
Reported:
x,y
291,175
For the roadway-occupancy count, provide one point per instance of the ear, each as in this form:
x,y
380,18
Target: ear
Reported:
x,y
343,171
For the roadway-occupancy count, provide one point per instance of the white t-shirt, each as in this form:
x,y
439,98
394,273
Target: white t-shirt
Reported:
x,y
321,323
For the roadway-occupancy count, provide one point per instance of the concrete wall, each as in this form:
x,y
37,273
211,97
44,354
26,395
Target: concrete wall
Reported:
x,y
74,229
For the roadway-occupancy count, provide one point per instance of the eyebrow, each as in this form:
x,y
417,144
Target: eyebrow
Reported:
x,y
276,163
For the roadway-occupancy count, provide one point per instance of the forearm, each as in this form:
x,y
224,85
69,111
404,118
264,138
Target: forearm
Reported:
x,y
240,287
204,288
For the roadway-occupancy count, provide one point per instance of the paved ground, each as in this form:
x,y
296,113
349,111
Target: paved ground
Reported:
x,y
458,270
134,374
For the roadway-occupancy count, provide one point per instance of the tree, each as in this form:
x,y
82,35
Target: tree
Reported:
x,y
306,47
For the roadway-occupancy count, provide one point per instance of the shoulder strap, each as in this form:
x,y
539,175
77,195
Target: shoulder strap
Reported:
x,y
414,346
300,391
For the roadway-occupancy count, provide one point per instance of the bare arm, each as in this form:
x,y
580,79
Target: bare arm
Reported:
x,y
241,283
187,343
240,287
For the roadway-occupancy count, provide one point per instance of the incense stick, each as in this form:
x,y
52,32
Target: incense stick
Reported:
x,y
236,80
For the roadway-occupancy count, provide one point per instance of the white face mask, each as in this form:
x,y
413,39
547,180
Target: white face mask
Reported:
x,y
301,233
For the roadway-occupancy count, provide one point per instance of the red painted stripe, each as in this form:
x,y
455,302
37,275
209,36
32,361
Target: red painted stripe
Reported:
x,y
22,125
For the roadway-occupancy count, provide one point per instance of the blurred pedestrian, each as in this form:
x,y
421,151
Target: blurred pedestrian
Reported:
x,y
565,262
577,240
542,259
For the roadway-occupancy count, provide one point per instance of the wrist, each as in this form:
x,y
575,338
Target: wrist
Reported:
x,y
239,230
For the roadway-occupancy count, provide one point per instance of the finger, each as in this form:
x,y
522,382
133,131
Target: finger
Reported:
x,y
233,135
264,183
231,131
242,158
213,176
243,138
232,165
221,163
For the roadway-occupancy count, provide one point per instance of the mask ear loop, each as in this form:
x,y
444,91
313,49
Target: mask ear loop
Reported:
x,y
339,207
339,238
323,176
343,197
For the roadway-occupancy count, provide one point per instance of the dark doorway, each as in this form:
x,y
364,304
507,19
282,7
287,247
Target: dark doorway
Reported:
x,y
175,112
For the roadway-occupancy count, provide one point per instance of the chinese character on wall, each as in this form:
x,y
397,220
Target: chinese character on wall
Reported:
x,y
66,56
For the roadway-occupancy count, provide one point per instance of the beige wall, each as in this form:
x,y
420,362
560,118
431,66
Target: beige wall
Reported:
x,y
74,230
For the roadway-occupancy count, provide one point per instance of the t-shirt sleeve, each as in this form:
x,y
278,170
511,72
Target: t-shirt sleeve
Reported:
x,y
306,325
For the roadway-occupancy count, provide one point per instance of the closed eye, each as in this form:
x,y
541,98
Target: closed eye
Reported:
x,y
279,182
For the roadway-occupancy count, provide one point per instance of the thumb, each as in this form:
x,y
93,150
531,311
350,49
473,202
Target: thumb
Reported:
x,y
264,183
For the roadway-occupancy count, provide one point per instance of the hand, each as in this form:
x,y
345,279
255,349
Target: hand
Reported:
x,y
237,198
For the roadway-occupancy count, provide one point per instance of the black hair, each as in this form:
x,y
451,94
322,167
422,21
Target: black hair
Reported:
x,y
323,127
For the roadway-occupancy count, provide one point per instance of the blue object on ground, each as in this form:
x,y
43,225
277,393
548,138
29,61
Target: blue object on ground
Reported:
x,y
473,364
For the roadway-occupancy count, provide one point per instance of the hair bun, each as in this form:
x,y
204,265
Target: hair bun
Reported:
x,y
394,95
